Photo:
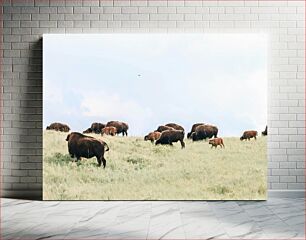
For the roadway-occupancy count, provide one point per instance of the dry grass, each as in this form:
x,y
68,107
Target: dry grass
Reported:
x,y
138,170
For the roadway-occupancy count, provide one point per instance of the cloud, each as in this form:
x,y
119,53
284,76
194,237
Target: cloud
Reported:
x,y
110,106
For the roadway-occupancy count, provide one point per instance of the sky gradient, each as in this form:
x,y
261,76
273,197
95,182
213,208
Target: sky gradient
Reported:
x,y
148,80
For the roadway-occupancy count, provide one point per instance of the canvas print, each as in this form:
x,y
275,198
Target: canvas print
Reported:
x,y
155,116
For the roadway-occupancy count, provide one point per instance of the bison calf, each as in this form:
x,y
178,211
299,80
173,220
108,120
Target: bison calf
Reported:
x,y
80,145
247,135
216,142
152,136
109,131
170,136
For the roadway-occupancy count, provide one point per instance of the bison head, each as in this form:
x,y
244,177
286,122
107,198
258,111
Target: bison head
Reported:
x,y
48,128
194,136
241,138
146,138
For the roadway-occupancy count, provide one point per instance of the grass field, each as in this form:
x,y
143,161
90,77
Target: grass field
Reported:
x,y
139,170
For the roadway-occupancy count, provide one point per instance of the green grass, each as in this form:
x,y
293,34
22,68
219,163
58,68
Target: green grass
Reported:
x,y
139,170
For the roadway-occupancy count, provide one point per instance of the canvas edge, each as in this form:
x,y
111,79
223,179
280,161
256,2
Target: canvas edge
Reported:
x,y
37,194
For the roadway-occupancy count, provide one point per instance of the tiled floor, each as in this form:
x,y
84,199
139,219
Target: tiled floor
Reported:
x,y
272,219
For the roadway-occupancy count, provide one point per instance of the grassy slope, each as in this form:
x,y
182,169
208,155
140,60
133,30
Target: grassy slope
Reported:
x,y
139,170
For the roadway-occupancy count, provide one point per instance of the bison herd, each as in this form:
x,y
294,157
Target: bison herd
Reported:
x,y
80,145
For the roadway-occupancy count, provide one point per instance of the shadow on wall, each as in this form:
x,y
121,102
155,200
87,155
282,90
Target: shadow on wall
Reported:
x,y
30,144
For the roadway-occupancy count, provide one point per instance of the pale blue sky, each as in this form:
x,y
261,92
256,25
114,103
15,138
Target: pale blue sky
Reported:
x,y
184,78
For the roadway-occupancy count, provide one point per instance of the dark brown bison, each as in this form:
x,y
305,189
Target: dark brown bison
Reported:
x,y
58,127
88,130
193,129
175,126
170,136
202,132
152,136
216,142
247,135
109,131
265,132
121,127
97,127
163,128
80,145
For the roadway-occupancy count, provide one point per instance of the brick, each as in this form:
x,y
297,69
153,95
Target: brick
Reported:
x,y
147,9
63,10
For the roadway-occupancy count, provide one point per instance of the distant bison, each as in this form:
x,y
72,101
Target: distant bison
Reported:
x,y
247,135
216,142
121,127
175,126
152,136
97,127
193,129
202,132
163,128
265,132
88,130
58,127
170,136
109,131
80,145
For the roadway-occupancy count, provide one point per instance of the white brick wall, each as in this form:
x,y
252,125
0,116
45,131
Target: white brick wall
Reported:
x,y
24,22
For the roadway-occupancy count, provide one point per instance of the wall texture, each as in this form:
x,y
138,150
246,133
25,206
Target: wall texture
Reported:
x,y
24,22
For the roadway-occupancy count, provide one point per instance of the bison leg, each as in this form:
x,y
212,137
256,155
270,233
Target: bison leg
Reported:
x,y
182,143
100,161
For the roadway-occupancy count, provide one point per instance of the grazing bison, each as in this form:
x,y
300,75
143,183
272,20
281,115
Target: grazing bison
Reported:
x,y
97,127
109,131
163,128
203,132
215,142
248,135
80,145
58,127
265,132
121,127
152,136
175,126
170,136
88,130
193,129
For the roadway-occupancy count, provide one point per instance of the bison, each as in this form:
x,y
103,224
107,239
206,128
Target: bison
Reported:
x,y
202,132
175,126
152,136
247,135
193,129
109,131
58,127
97,127
121,127
265,132
88,130
80,145
170,136
163,128
215,142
